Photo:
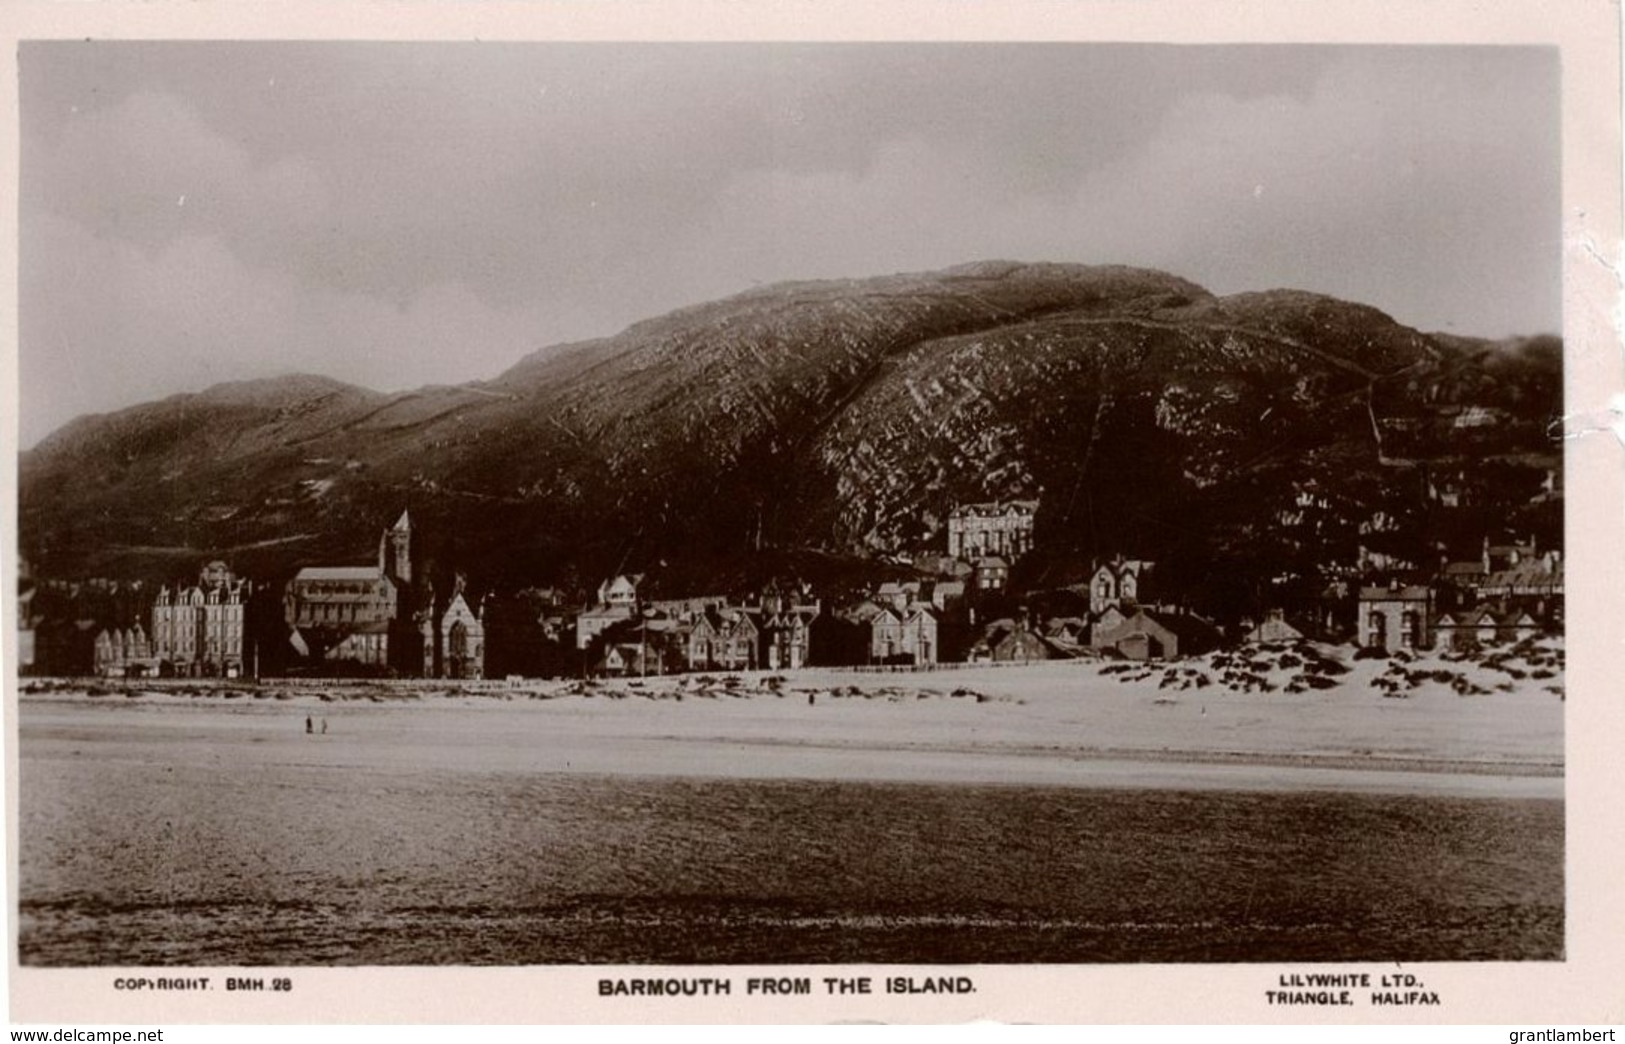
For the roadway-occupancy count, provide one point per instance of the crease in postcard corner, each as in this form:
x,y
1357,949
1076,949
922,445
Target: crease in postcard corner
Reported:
x,y
1591,422
1611,417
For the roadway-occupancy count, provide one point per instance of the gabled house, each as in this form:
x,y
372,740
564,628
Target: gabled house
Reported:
x,y
617,601
721,638
1517,626
872,633
1274,628
1152,635
1121,582
629,659
885,635
1106,623
1067,632
620,590
785,636
1011,641
991,573
1482,626
1141,637
124,653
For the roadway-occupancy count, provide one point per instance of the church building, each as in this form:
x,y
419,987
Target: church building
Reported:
x,y
356,616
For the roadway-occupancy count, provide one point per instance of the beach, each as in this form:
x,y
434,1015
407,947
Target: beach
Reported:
x,y
1047,812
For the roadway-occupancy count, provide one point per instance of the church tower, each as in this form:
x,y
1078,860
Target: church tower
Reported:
x,y
395,552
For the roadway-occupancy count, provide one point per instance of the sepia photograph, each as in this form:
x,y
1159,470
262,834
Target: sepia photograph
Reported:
x,y
667,506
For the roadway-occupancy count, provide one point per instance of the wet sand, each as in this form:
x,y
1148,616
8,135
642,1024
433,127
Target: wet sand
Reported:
x,y
1058,817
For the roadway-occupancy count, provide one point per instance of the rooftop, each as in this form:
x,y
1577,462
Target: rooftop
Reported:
x,y
1407,593
363,573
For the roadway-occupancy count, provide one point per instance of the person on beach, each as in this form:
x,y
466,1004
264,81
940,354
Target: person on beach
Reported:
x,y
309,728
324,726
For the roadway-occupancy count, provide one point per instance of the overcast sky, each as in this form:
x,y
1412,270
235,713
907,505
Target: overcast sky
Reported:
x,y
403,214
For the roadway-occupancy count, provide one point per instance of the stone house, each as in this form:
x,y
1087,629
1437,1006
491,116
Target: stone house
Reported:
x,y
1394,617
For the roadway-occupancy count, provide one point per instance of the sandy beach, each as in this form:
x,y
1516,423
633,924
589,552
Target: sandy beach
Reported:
x,y
1043,813
1050,724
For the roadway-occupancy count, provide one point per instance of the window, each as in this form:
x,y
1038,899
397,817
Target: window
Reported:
x,y
1377,626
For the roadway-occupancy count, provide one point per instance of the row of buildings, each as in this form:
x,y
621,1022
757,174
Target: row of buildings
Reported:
x,y
1509,593
912,623
387,617
110,628
623,634
381,617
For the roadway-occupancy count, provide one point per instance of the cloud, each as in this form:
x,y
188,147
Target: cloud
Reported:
x,y
148,169
109,323
1434,197
1425,184
400,214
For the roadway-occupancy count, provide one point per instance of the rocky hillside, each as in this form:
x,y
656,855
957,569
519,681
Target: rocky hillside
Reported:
x,y
825,422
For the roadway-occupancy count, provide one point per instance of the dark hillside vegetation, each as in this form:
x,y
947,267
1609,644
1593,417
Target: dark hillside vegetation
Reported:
x,y
811,426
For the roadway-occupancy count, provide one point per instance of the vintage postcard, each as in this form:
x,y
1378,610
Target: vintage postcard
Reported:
x,y
1013,512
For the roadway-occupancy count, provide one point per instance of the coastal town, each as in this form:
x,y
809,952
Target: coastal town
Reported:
x,y
951,604
1088,509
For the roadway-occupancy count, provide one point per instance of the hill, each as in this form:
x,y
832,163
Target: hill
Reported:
x,y
806,427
